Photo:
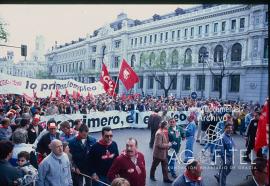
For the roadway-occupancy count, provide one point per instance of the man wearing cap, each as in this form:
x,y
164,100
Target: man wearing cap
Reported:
x,y
43,144
190,133
251,134
34,129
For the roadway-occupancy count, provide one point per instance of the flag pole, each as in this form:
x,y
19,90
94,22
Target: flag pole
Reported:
x,y
116,81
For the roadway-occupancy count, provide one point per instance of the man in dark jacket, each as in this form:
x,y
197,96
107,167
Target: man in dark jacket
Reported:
x,y
43,144
80,147
8,173
251,134
153,124
102,155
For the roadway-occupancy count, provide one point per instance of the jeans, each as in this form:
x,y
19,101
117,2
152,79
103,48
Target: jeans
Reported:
x,y
189,148
171,163
224,171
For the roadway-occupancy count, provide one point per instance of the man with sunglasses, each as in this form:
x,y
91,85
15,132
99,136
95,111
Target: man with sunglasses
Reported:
x,y
102,155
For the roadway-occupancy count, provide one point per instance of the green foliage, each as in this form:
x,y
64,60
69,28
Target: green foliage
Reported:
x,y
3,31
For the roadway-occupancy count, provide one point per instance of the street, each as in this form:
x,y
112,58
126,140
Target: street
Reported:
x,y
237,175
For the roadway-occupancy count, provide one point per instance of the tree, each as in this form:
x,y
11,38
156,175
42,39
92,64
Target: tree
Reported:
x,y
158,64
3,31
219,63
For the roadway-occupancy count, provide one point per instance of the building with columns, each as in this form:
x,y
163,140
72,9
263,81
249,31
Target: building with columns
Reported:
x,y
234,37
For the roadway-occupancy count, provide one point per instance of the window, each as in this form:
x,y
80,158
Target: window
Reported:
x,y
188,58
174,57
233,25
94,48
141,82
266,17
140,40
152,58
145,38
265,52
136,41
166,36
178,33
163,58
191,31
131,42
215,27
218,54
206,29
200,30
150,82
162,80
236,52
150,39
242,22
200,82
255,47
132,61
116,61
173,35
186,82
202,52
223,26
173,79
155,38
93,65
186,32
216,82
142,59
117,44
161,36
234,83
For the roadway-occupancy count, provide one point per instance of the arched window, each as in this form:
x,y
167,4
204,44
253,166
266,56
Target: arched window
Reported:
x,y
188,58
174,57
218,54
202,52
142,59
152,58
236,52
133,60
163,58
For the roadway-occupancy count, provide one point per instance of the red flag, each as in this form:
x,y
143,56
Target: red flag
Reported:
x,y
263,128
78,94
67,96
127,75
51,95
74,95
57,93
106,80
34,94
29,99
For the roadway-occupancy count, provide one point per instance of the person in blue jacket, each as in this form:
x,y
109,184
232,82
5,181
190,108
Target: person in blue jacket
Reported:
x,y
190,133
80,147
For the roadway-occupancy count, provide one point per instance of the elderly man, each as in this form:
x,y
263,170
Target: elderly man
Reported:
x,y
129,165
191,176
54,170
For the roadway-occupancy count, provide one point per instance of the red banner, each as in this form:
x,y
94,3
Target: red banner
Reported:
x,y
127,75
106,80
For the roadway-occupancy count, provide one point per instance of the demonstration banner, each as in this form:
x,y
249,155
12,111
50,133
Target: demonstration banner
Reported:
x,y
114,119
45,87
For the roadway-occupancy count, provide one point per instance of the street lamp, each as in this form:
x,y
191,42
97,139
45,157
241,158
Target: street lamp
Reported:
x,y
203,56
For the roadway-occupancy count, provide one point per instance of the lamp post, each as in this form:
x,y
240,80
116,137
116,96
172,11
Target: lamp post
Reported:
x,y
203,56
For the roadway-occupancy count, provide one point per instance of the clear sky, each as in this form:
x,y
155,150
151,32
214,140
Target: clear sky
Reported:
x,y
64,23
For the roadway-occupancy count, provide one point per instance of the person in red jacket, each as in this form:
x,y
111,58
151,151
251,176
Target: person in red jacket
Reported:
x,y
130,164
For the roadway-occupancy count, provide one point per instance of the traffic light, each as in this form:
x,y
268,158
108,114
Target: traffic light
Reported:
x,y
24,50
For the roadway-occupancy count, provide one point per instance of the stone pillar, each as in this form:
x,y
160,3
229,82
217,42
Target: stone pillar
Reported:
x,y
145,83
192,82
224,87
207,89
178,85
155,87
166,80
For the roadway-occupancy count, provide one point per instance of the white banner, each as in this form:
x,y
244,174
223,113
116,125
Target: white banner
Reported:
x,y
115,119
44,87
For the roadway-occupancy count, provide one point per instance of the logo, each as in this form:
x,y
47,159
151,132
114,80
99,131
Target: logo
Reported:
x,y
126,74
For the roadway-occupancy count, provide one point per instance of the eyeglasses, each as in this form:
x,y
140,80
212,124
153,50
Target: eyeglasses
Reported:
x,y
21,160
108,136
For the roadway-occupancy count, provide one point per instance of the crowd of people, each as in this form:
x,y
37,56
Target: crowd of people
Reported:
x,y
34,153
